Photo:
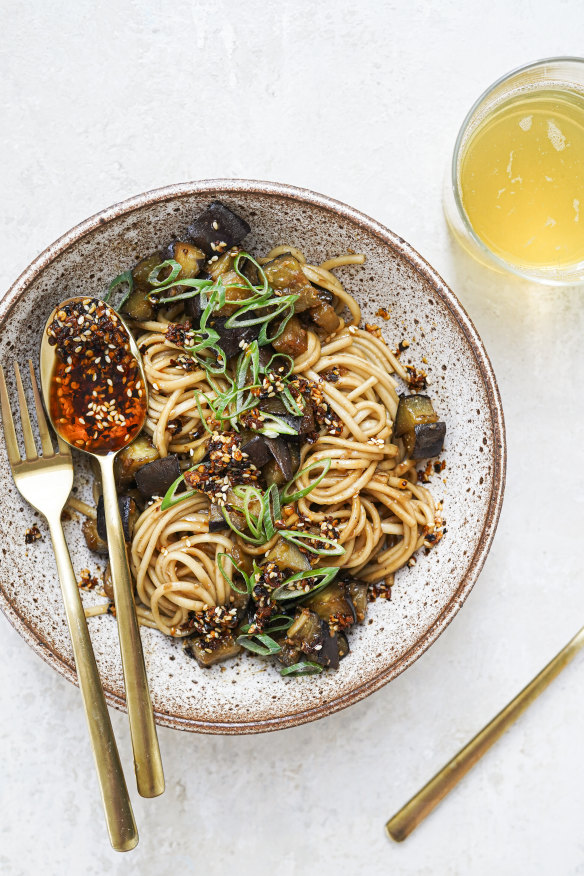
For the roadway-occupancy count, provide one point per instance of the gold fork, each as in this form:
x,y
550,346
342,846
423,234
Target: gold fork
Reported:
x,y
45,482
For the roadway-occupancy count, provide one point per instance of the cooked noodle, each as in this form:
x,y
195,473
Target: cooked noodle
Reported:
x,y
383,516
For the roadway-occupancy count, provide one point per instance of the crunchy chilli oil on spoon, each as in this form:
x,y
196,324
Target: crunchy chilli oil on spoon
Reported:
x,y
95,392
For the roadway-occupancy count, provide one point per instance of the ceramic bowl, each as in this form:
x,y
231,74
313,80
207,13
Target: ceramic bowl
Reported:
x,y
246,696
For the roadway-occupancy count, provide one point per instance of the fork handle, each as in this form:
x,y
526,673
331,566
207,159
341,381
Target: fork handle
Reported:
x,y
118,809
147,760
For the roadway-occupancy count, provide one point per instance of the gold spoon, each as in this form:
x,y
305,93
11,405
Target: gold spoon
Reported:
x,y
95,393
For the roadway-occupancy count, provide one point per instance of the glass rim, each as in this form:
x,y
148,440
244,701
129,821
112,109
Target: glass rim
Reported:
x,y
527,273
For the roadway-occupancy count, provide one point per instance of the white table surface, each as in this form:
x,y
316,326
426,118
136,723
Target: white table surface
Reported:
x,y
361,101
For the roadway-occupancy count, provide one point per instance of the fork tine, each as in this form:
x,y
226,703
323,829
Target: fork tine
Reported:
x,y
8,423
27,434
46,443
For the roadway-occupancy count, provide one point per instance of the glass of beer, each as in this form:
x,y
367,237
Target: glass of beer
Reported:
x,y
515,195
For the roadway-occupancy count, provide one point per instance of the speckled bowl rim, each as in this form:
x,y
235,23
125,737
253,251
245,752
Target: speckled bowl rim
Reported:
x,y
216,187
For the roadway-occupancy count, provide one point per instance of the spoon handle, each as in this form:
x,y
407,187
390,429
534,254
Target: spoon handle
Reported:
x,y
147,761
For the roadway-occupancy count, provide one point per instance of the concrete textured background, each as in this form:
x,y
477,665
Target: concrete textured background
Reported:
x,y
360,100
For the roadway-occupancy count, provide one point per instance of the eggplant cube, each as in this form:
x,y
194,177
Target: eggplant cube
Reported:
x,y
412,410
230,339
128,512
257,450
217,229
206,656
282,456
428,440
156,477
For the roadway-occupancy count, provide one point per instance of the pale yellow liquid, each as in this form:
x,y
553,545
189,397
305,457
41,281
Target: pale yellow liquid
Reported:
x,y
522,180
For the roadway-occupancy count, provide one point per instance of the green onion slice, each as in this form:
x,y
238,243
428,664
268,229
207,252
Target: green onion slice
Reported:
x,y
288,498
326,575
305,667
247,578
127,278
265,645
300,538
175,270
170,497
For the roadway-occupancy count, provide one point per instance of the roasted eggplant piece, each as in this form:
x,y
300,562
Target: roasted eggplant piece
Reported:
x,y
288,556
239,599
272,472
416,424
285,274
277,459
243,560
276,406
224,264
308,424
138,306
230,339
206,653
268,356
189,257
193,309
131,458
218,229
255,447
144,268
129,513
357,591
312,637
156,477
92,538
217,521
289,654
108,584
325,317
343,645
425,441
280,450
293,341
412,410
333,605
235,292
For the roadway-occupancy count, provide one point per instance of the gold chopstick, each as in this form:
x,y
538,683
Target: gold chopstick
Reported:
x,y
421,804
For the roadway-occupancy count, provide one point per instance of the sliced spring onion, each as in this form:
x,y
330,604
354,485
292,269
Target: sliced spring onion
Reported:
x,y
326,575
288,498
264,646
261,273
274,423
301,539
170,497
256,540
279,622
247,578
175,270
196,287
272,511
127,278
305,667
291,404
